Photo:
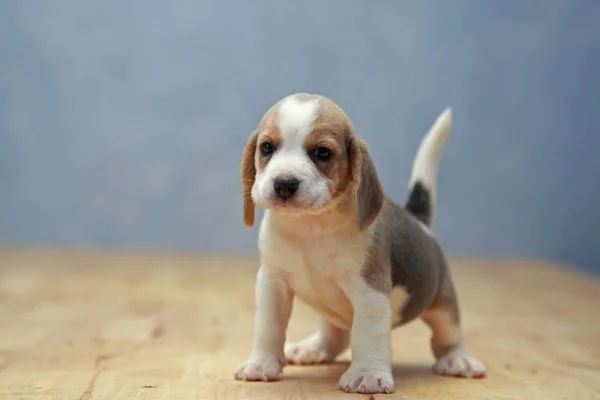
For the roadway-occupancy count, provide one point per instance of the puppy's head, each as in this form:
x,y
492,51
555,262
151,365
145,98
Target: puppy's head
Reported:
x,y
303,156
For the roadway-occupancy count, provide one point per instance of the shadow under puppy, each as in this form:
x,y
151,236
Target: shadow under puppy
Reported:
x,y
332,237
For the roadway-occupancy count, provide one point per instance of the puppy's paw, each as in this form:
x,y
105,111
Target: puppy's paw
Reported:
x,y
266,368
459,364
366,380
312,350
306,353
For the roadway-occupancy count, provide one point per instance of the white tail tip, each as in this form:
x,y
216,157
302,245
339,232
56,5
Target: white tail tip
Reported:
x,y
428,155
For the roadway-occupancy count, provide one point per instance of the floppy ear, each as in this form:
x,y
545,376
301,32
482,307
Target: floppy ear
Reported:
x,y
367,191
248,174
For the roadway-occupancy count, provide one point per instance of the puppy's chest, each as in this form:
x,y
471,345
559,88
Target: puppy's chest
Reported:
x,y
318,269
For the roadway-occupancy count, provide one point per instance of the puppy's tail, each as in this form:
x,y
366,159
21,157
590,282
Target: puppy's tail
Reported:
x,y
422,186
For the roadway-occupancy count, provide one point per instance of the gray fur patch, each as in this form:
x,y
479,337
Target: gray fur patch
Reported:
x,y
403,254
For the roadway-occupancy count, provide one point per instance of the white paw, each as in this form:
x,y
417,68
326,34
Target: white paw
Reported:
x,y
312,350
306,353
267,368
458,363
366,380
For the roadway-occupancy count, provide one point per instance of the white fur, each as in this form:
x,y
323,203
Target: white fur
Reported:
x,y
427,160
295,121
370,370
459,363
315,260
273,307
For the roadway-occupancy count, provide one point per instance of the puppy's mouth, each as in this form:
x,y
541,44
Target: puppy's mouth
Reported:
x,y
293,204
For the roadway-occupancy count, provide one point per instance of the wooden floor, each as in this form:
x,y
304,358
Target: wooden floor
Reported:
x,y
97,326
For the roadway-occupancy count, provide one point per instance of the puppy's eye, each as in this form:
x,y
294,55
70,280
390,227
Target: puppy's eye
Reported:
x,y
266,149
322,153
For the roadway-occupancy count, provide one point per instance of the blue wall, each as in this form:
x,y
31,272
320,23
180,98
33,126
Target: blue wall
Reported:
x,y
122,123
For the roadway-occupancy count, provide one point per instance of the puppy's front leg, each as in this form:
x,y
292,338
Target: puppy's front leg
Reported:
x,y
370,370
273,308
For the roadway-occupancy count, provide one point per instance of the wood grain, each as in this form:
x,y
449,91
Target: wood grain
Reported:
x,y
125,326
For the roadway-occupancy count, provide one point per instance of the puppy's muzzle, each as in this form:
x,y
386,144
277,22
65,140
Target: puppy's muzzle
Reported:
x,y
285,188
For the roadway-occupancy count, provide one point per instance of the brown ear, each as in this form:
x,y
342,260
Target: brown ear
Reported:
x,y
367,190
248,174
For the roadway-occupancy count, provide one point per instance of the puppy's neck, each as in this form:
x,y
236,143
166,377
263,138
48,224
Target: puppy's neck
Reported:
x,y
336,218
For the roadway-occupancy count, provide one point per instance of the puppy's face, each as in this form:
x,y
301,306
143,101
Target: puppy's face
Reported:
x,y
303,155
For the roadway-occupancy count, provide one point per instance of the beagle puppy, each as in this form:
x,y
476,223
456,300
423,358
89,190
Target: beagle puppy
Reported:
x,y
332,237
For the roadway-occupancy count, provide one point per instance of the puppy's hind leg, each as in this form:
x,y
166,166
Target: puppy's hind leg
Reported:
x,y
323,346
447,343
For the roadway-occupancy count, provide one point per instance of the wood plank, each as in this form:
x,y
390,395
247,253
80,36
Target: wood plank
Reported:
x,y
91,325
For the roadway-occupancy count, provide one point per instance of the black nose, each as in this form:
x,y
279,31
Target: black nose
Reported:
x,y
286,187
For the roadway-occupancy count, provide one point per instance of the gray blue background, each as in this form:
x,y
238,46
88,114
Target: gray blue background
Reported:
x,y
122,122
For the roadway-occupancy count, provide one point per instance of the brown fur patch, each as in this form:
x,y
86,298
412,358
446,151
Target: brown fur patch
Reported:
x,y
368,192
270,136
248,175
268,131
332,129
446,334
303,97
447,299
250,161
377,269
443,318
335,170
